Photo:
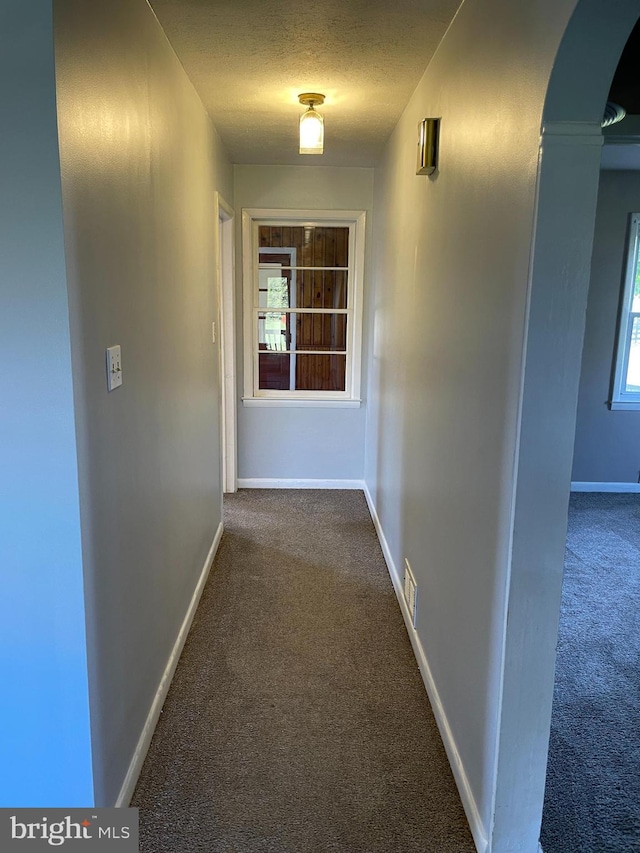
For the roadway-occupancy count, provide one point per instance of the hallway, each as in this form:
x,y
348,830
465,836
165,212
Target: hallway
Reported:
x,y
297,720
456,417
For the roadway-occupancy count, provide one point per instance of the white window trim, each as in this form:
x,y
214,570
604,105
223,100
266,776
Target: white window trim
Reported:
x,y
350,397
620,398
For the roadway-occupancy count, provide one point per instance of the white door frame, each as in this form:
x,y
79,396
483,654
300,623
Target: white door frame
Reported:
x,y
225,283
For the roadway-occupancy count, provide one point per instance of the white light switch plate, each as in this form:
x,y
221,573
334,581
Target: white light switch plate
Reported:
x,y
114,368
213,333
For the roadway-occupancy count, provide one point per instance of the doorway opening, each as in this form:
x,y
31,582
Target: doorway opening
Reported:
x,y
571,142
225,274
593,772
569,169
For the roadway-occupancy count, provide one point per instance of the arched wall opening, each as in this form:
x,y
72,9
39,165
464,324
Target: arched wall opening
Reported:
x,y
568,174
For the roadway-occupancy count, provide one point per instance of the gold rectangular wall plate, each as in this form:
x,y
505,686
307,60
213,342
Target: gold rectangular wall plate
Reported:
x,y
428,133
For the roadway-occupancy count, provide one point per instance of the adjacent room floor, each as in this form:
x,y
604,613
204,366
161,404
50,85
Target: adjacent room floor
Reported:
x,y
592,800
297,721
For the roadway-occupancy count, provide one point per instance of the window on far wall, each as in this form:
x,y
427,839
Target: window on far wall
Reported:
x,y
302,306
626,384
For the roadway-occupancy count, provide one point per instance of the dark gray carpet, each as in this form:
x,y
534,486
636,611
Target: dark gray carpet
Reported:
x,y
592,801
297,721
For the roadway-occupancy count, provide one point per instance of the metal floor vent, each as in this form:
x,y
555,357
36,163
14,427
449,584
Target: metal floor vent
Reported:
x,y
410,591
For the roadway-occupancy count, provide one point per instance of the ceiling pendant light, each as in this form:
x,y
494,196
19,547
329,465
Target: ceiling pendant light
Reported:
x,y
311,125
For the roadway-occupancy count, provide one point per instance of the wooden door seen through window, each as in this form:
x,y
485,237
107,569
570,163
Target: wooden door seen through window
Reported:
x,y
303,279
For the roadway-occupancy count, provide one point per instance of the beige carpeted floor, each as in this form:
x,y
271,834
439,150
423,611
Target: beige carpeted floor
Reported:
x,y
297,721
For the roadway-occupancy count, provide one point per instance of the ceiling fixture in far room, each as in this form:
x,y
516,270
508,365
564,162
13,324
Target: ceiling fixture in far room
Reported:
x,y
311,124
613,113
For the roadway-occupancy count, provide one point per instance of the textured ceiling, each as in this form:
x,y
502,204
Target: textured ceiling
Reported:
x,y
249,60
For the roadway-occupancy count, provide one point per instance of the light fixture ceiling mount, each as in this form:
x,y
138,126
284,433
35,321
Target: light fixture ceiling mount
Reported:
x,y
311,124
309,99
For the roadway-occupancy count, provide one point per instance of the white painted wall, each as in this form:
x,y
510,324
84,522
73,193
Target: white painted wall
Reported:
x,y
140,164
311,443
450,308
558,286
45,750
557,300
484,269
606,448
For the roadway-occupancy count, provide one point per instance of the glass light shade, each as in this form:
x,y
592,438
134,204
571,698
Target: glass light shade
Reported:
x,y
311,132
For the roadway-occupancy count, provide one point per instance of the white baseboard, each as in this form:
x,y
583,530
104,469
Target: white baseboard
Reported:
x,y
631,488
139,755
269,483
473,816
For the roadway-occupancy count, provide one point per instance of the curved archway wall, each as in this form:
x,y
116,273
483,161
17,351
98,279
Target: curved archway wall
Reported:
x,y
566,207
481,276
